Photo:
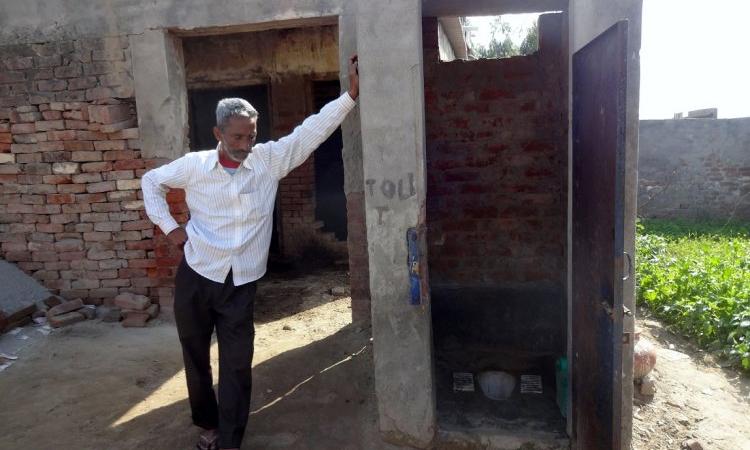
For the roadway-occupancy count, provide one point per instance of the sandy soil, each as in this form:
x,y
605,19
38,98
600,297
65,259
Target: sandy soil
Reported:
x,y
99,386
695,398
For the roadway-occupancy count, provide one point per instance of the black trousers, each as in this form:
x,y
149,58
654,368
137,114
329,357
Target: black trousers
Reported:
x,y
200,305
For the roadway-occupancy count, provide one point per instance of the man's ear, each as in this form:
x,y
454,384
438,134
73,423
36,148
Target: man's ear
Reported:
x,y
217,134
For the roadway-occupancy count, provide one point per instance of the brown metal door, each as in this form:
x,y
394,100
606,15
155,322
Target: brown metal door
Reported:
x,y
599,80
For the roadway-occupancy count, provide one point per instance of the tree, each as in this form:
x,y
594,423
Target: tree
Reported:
x,y
530,43
502,46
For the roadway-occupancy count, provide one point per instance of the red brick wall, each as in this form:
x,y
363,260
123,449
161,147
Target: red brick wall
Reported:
x,y
71,209
359,266
496,164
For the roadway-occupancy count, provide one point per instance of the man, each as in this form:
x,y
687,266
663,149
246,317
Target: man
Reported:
x,y
230,192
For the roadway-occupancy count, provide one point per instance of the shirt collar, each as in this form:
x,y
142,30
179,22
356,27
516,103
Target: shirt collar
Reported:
x,y
212,162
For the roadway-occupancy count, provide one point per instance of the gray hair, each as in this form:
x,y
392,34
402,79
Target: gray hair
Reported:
x,y
233,107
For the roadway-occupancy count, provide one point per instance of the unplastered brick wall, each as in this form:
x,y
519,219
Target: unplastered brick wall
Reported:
x,y
694,169
496,164
71,209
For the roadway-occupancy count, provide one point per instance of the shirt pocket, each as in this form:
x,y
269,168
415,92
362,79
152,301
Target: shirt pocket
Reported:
x,y
253,205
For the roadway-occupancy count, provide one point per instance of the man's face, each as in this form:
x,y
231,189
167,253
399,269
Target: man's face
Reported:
x,y
238,137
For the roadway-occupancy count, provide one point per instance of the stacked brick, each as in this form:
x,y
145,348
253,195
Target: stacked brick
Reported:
x,y
496,165
71,209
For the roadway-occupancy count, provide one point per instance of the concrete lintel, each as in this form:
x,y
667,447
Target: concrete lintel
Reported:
x,y
161,94
389,37
451,8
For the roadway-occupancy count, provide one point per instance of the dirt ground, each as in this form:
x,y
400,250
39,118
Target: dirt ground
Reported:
x,y
97,385
695,398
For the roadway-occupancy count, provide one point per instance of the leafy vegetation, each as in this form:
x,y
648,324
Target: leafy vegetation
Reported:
x,y
696,278
502,46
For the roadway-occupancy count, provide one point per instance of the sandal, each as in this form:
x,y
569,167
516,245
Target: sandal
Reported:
x,y
208,443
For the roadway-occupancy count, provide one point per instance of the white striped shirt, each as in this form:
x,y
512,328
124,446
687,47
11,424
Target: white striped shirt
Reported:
x,y
231,216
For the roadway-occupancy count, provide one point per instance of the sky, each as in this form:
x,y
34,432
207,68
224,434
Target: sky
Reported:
x,y
694,54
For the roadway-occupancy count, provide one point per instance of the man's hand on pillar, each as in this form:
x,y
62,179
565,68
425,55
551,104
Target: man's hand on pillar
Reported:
x,y
354,76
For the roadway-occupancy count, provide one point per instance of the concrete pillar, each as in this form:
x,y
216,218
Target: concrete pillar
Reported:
x,y
389,39
160,94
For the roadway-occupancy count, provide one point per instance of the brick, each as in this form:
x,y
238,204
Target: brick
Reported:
x,y
71,188
47,209
91,198
124,216
127,236
53,157
117,126
51,85
120,155
76,208
66,168
104,186
141,264
70,71
85,284
36,246
130,205
57,179
66,319
32,199
81,115
29,158
46,275
95,236
22,128
130,301
43,256
97,255
52,115
78,145
25,138
108,226
46,125
125,185
76,125
108,114
99,166
65,308
82,83
135,320
64,218
59,199
7,158
18,257
19,63
86,156
116,79
12,77
49,228
87,178
122,195
90,135
113,264
104,67
110,145
38,169
115,175
127,133
100,93
70,96
27,117
106,207
95,217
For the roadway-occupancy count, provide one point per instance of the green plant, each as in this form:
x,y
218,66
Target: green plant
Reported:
x,y
695,276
